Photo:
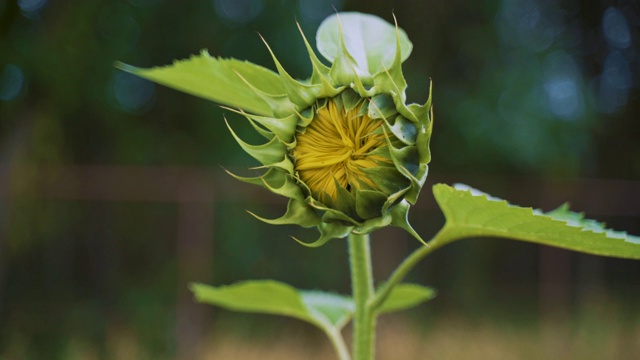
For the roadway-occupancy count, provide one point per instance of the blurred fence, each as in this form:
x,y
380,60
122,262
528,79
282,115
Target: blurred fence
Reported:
x,y
195,191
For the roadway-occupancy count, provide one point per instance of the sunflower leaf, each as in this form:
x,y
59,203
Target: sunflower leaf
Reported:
x,y
471,213
333,308
329,312
405,296
223,81
256,296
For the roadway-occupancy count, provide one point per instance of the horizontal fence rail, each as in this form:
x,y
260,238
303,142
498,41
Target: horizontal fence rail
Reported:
x,y
596,197
195,191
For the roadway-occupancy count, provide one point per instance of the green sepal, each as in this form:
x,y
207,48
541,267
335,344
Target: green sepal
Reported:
x,y
393,73
275,180
284,128
305,117
415,112
417,182
267,154
281,183
424,114
280,104
400,218
381,107
260,130
350,99
428,105
216,79
389,87
298,213
405,158
387,178
285,164
364,109
301,95
407,162
365,202
394,198
422,143
328,231
404,130
371,225
369,203
370,40
344,68
331,214
345,201
338,218
320,72
363,87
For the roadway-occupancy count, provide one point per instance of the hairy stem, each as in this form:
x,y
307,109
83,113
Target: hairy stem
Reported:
x,y
364,321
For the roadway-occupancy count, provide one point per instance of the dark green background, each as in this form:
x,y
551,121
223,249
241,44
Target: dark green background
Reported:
x,y
536,102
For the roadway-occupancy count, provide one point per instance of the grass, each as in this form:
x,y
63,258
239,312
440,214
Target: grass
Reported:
x,y
454,338
600,329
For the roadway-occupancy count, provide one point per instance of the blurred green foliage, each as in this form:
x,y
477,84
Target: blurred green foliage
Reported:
x,y
532,89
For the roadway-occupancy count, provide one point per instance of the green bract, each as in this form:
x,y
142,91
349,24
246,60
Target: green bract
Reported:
x,y
366,54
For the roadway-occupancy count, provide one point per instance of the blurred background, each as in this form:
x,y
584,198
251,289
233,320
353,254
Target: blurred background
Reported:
x,y
113,197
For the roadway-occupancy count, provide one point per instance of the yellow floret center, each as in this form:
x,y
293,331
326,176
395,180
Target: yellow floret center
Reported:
x,y
336,149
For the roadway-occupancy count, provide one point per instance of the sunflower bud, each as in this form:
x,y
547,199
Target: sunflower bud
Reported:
x,y
343,146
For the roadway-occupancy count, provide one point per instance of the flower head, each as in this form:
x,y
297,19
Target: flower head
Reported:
x,y
343,146
338,150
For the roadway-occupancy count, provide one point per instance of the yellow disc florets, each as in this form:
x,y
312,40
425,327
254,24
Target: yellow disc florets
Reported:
x,y
336,149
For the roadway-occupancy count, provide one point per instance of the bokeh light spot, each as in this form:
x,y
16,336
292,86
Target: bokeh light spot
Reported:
x,y
31,8
11,82
614,83
616,71
319,9
31,5
616,28
528,24
562,86
562,94
132,93
238,11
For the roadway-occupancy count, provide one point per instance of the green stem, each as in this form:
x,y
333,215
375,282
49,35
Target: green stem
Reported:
x,y
364,321
338,343
439,240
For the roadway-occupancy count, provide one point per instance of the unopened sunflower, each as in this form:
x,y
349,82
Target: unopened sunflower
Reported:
x,y
343,146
